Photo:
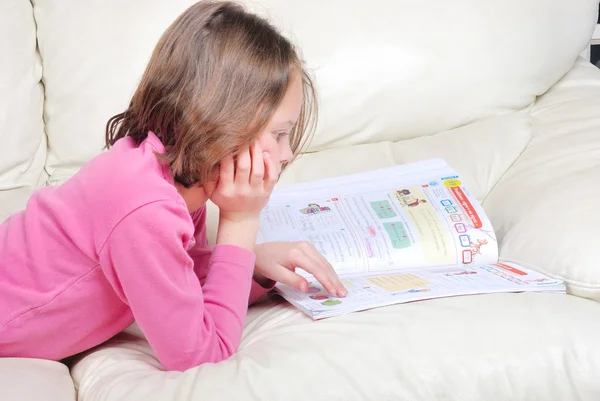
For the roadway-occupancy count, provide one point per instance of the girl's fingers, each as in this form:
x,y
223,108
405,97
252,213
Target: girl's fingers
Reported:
x,y
226,171
288,277
302,259
258,165
325,273
271,175
326,266
242,167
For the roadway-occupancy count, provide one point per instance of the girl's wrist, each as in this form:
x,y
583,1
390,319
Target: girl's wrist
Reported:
x,y
239,217
241,233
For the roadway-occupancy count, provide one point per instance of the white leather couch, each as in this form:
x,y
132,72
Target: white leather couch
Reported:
x,y
495,87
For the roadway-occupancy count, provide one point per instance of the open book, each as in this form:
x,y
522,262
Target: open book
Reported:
x,y
393,235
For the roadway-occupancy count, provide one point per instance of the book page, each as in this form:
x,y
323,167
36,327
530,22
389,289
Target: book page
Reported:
x,y
419,284
407,216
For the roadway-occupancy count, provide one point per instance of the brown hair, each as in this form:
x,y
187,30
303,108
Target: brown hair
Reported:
x,y
211,72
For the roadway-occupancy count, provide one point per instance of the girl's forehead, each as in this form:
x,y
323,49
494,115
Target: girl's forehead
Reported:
x,y
289,109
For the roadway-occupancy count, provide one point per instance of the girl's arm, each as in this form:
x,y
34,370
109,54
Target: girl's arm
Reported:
x,y
201,253
146,261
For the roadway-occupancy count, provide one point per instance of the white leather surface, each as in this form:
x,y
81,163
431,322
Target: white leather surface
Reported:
x,y
94,52
23,144
545,209
494,348
385,70
34,380
399,69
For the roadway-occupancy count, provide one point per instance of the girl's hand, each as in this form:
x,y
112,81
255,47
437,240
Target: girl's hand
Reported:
x,y
278,261
244,186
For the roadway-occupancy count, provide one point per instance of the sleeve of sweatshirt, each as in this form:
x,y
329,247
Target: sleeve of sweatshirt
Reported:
x,y
146,261
201,253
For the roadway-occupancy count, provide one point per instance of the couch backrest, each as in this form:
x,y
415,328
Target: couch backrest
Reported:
x,y
385,69
22,138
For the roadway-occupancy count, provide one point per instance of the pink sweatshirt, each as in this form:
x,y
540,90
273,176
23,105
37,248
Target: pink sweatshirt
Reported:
x,y
113,244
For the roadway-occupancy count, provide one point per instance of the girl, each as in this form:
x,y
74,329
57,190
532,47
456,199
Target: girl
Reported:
x,y
223,105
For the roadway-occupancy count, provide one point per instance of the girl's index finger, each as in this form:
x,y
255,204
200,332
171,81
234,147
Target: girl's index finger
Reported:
x,y
340,289
306,260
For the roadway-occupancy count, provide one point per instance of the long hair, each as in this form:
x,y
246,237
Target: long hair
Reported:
x,y
215,78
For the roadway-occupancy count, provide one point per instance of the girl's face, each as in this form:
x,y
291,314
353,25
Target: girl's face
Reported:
x,y
275,139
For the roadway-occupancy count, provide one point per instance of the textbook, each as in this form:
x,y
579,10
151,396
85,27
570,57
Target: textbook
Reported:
x,y
394,235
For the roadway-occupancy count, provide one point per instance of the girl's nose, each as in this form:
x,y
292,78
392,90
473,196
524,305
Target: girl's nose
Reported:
x,y
286,153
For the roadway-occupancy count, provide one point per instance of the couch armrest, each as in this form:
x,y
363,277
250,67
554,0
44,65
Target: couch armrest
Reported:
x,y
24,379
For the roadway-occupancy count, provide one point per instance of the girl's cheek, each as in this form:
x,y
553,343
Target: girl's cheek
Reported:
x,y
270,145
267,143
264,144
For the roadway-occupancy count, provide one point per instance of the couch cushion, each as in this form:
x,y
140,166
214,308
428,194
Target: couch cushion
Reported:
x,y
91,75
23,150
35,379
473,348
397,69
385,71
545,209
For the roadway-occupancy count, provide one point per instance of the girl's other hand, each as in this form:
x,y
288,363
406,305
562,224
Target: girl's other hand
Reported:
x,y
278,261
244,185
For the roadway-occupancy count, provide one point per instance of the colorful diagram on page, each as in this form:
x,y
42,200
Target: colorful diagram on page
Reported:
x,y
383,209
436,243
475,239
398,234
315,208
398,282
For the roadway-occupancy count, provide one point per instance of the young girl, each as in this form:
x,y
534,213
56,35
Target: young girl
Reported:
x,y
223,104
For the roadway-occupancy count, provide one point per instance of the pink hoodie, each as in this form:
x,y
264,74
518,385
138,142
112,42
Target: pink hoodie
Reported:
x,y
113,244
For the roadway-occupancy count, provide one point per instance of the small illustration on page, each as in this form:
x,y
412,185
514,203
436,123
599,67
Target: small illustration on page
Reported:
x,y
405,198
398,234
314,208
435,241
418,290
476,246
383,209
372,231
461,272
539,281
369,248
331,302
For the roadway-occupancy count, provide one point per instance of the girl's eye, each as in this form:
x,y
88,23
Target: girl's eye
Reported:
x,y
279,135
